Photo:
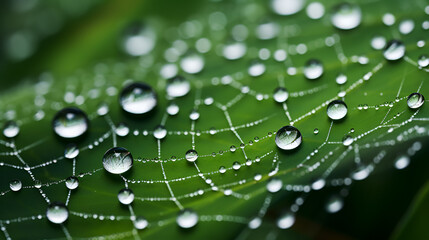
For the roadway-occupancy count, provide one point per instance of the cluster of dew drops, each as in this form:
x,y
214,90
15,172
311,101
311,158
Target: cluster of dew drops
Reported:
x,y
140,98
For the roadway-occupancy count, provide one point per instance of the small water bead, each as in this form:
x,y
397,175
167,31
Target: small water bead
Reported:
x,y
15,185
138,98
222,169
287,7
71,151
168,70
194,115
140,223
208,101
70,122
415,100
160,132
336,110
346,16
394,50
236,166
315,10
126,196
406,26
361,173
139,39
117,160
255,223
37,184
313,69
316,131
274,185
280,94
232,148
318,184
334,204
192,63
286,221
288,137
402,162
122,130
423,61
347,140
341,79
72,182
187,218
178,86
256,69
378,42
173,109
388,19
191,155
57,213
234,51
102,109
10,129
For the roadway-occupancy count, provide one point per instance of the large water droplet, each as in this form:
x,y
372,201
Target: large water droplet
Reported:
x,y
286,220
10,129
191,155
288,137
234,51
139,40
71,151
346,16
192,63
57,212
70,123
138,98
160,132
287,7
274,185
178,86
140,223
280,94
334,204
415,100
394,50
187,218
72,182
117,160
15,185
313,69
336,110
126,196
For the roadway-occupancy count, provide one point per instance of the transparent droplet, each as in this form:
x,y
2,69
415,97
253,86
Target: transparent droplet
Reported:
x,y
415,100
178,86
280,94
122,130
336,110
256,69
378,42
117,160
222,169
402,162
57,213
316,131
71,151
255,223
313,69
346,16
315,10
192,63
286,221
126,196
72,182
274,185
10,129
139,39
15,185
191,155
334,204
102,109
347,140
406,26
160,132
70,123
232,148
318,184
394,50
187,218
37,184
138,98
194,115
423,61
288,137
140,223
267,30
169,71
234,51
236,165
361,173
287,7
341,79
173,109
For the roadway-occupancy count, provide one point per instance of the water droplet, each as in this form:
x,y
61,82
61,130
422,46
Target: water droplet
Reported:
x,y
288,137
234,51
70,123
178,87
72,182
236,165
102,109
388,19
173,109
222,169
122,130
280,94
126,196
192,63
140,223
336,110
10,129
334,204
347,140
117,160
287,7
194,115
316,131
415,100
378,42
341,79
255,223
361,173
57,213
37,184
15,185
191,155
402,162
315,10
256,69
160,132
138,98
318,184
313,69
423,61
286,221
346,16
71,151
187,218
274,185
394,50
406,26
139,39
232,148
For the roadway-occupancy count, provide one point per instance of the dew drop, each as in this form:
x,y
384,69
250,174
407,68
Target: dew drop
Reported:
x,y
139,40
232,148
126,196
415,100
315,10
256,69
378,42
173,109
178,86
187,218
346,16
423,61
406,26
255,223
140,223
288,137
274,185
70,123
194,115
334,204
402,162
117,160
234,51
287,7
102,109
57,213
318,184
222,169
15,185
160,132
286,221
341,79
313,69
72,182
394,50
138,98
361,173
191,155
316,131
122,130
10,129
347,140
280,94
236,166
71,151
336,110
192,63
